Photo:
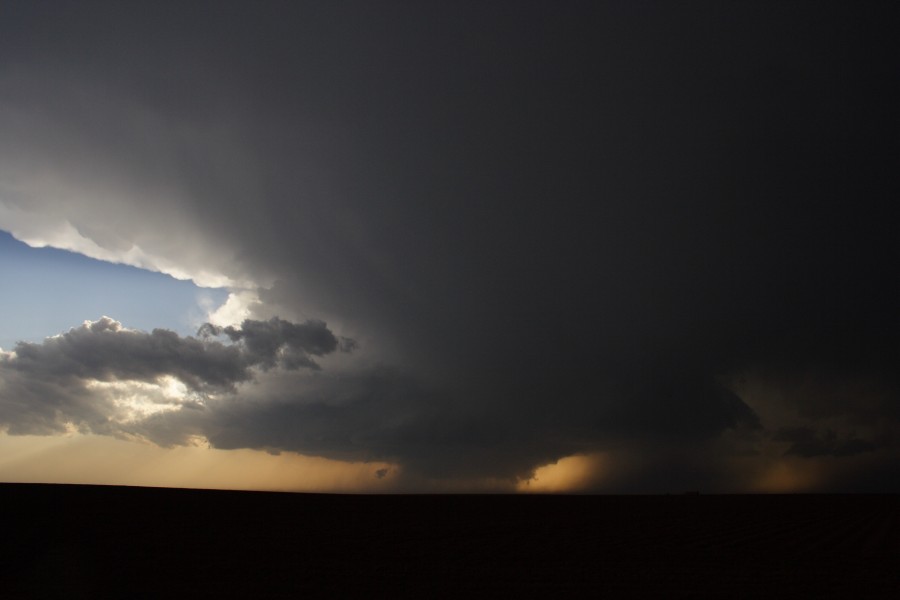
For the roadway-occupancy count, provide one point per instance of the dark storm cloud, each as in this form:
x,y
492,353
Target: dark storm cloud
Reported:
x,y
678,407
807,443
568,223
378,414
265,343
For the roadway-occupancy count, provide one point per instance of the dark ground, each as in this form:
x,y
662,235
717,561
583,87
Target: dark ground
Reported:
x,y
91,541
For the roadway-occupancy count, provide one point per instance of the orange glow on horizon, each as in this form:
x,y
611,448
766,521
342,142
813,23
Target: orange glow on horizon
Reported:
x,y
574,473
785,477
90,459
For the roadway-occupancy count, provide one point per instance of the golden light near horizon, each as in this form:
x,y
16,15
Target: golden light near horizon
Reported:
x,y
91,459
788,476
574,473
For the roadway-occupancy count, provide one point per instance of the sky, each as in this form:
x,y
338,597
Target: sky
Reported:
x,y
606,247
48,291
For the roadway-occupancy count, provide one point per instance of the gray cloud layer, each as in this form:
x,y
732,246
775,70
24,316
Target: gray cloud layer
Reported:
x,y
103,350
45,386
568,229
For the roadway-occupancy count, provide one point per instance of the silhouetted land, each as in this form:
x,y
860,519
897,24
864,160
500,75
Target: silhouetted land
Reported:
x,y
88,541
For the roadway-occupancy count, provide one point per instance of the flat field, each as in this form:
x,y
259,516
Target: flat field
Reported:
x,y
91,541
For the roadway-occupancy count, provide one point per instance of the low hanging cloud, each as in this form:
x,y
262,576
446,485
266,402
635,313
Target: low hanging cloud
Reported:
x,y
256,386
261,389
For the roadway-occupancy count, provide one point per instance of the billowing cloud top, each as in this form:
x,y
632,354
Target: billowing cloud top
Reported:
x,y
665,235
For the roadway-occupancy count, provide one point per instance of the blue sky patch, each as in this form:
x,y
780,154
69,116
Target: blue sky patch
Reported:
x,y
45,291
